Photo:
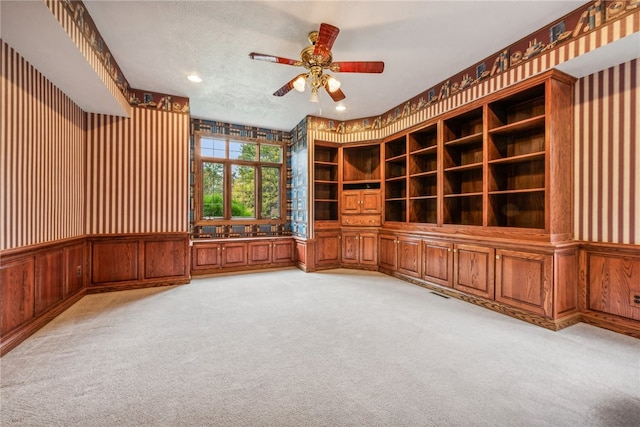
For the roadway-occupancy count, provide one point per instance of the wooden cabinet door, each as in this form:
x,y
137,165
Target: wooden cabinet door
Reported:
x,y
260,252
473,270
207,256
350,202
438,263
368,248
350,247
388,249
283,251
524,280
328,248
370,202
234,254
410,256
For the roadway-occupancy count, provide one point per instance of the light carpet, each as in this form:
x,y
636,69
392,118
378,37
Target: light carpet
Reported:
x,y
334,348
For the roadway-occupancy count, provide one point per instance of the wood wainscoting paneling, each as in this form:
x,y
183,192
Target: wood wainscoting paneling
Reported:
x,y
37,283
50,286
610,286
114,260
166,258
122,262
18,289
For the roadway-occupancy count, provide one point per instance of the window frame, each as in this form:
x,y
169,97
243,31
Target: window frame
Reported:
x,y
227,163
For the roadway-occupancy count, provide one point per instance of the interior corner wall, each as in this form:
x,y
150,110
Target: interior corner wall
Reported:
x,y
138,173
42,155
607,156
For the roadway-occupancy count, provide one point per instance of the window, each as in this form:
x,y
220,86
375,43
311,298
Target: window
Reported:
x,y
238,180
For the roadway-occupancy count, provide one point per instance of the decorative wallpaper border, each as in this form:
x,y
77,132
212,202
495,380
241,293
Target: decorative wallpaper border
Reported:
x,y
76,21
577,33
159,101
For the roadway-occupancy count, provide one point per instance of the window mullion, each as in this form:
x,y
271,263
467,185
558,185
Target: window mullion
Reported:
x,y
227,190
256,191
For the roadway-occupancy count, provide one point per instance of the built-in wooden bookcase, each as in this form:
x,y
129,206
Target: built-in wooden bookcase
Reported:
x,y
516,159
395,179
463,168
423,175
501,162
326,182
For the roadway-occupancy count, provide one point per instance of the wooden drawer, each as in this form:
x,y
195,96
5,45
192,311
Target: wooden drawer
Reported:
x,y
361,220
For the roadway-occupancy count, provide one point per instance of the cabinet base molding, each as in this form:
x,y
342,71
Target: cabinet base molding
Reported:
x,y
243,269
552,324
135,285
18,335
613,323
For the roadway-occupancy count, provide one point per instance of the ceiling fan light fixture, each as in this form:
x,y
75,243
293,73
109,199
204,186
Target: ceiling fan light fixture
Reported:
x,y
299,83
314,96
333,84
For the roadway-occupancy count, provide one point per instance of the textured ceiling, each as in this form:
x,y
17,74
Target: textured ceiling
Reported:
x,y
158,43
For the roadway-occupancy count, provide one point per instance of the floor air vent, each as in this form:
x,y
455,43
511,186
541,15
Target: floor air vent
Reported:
x,y
440,295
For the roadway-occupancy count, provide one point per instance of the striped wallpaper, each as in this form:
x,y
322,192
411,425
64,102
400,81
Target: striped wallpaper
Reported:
x,y
42,151
138,172
607,156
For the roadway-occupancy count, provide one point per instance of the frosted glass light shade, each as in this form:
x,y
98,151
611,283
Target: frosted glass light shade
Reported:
x,y
298,84
333,84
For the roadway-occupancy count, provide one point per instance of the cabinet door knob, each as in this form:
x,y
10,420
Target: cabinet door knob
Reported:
x,y
497,256
455,250
449,250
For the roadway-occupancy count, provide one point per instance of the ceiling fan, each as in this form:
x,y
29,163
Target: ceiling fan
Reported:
x,y
316,59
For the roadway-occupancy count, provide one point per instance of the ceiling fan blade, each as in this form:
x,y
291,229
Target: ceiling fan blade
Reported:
x,y
271,58
287,87
357,67
337,95
326,36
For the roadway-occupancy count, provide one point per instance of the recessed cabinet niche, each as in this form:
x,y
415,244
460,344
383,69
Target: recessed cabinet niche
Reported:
x,y
361,166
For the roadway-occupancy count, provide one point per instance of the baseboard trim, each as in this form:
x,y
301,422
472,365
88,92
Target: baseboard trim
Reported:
x,y
136,285
244,268
612,322
21,333
552,324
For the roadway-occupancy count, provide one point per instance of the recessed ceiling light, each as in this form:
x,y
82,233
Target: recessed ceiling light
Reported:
x,y
340,108
194,78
